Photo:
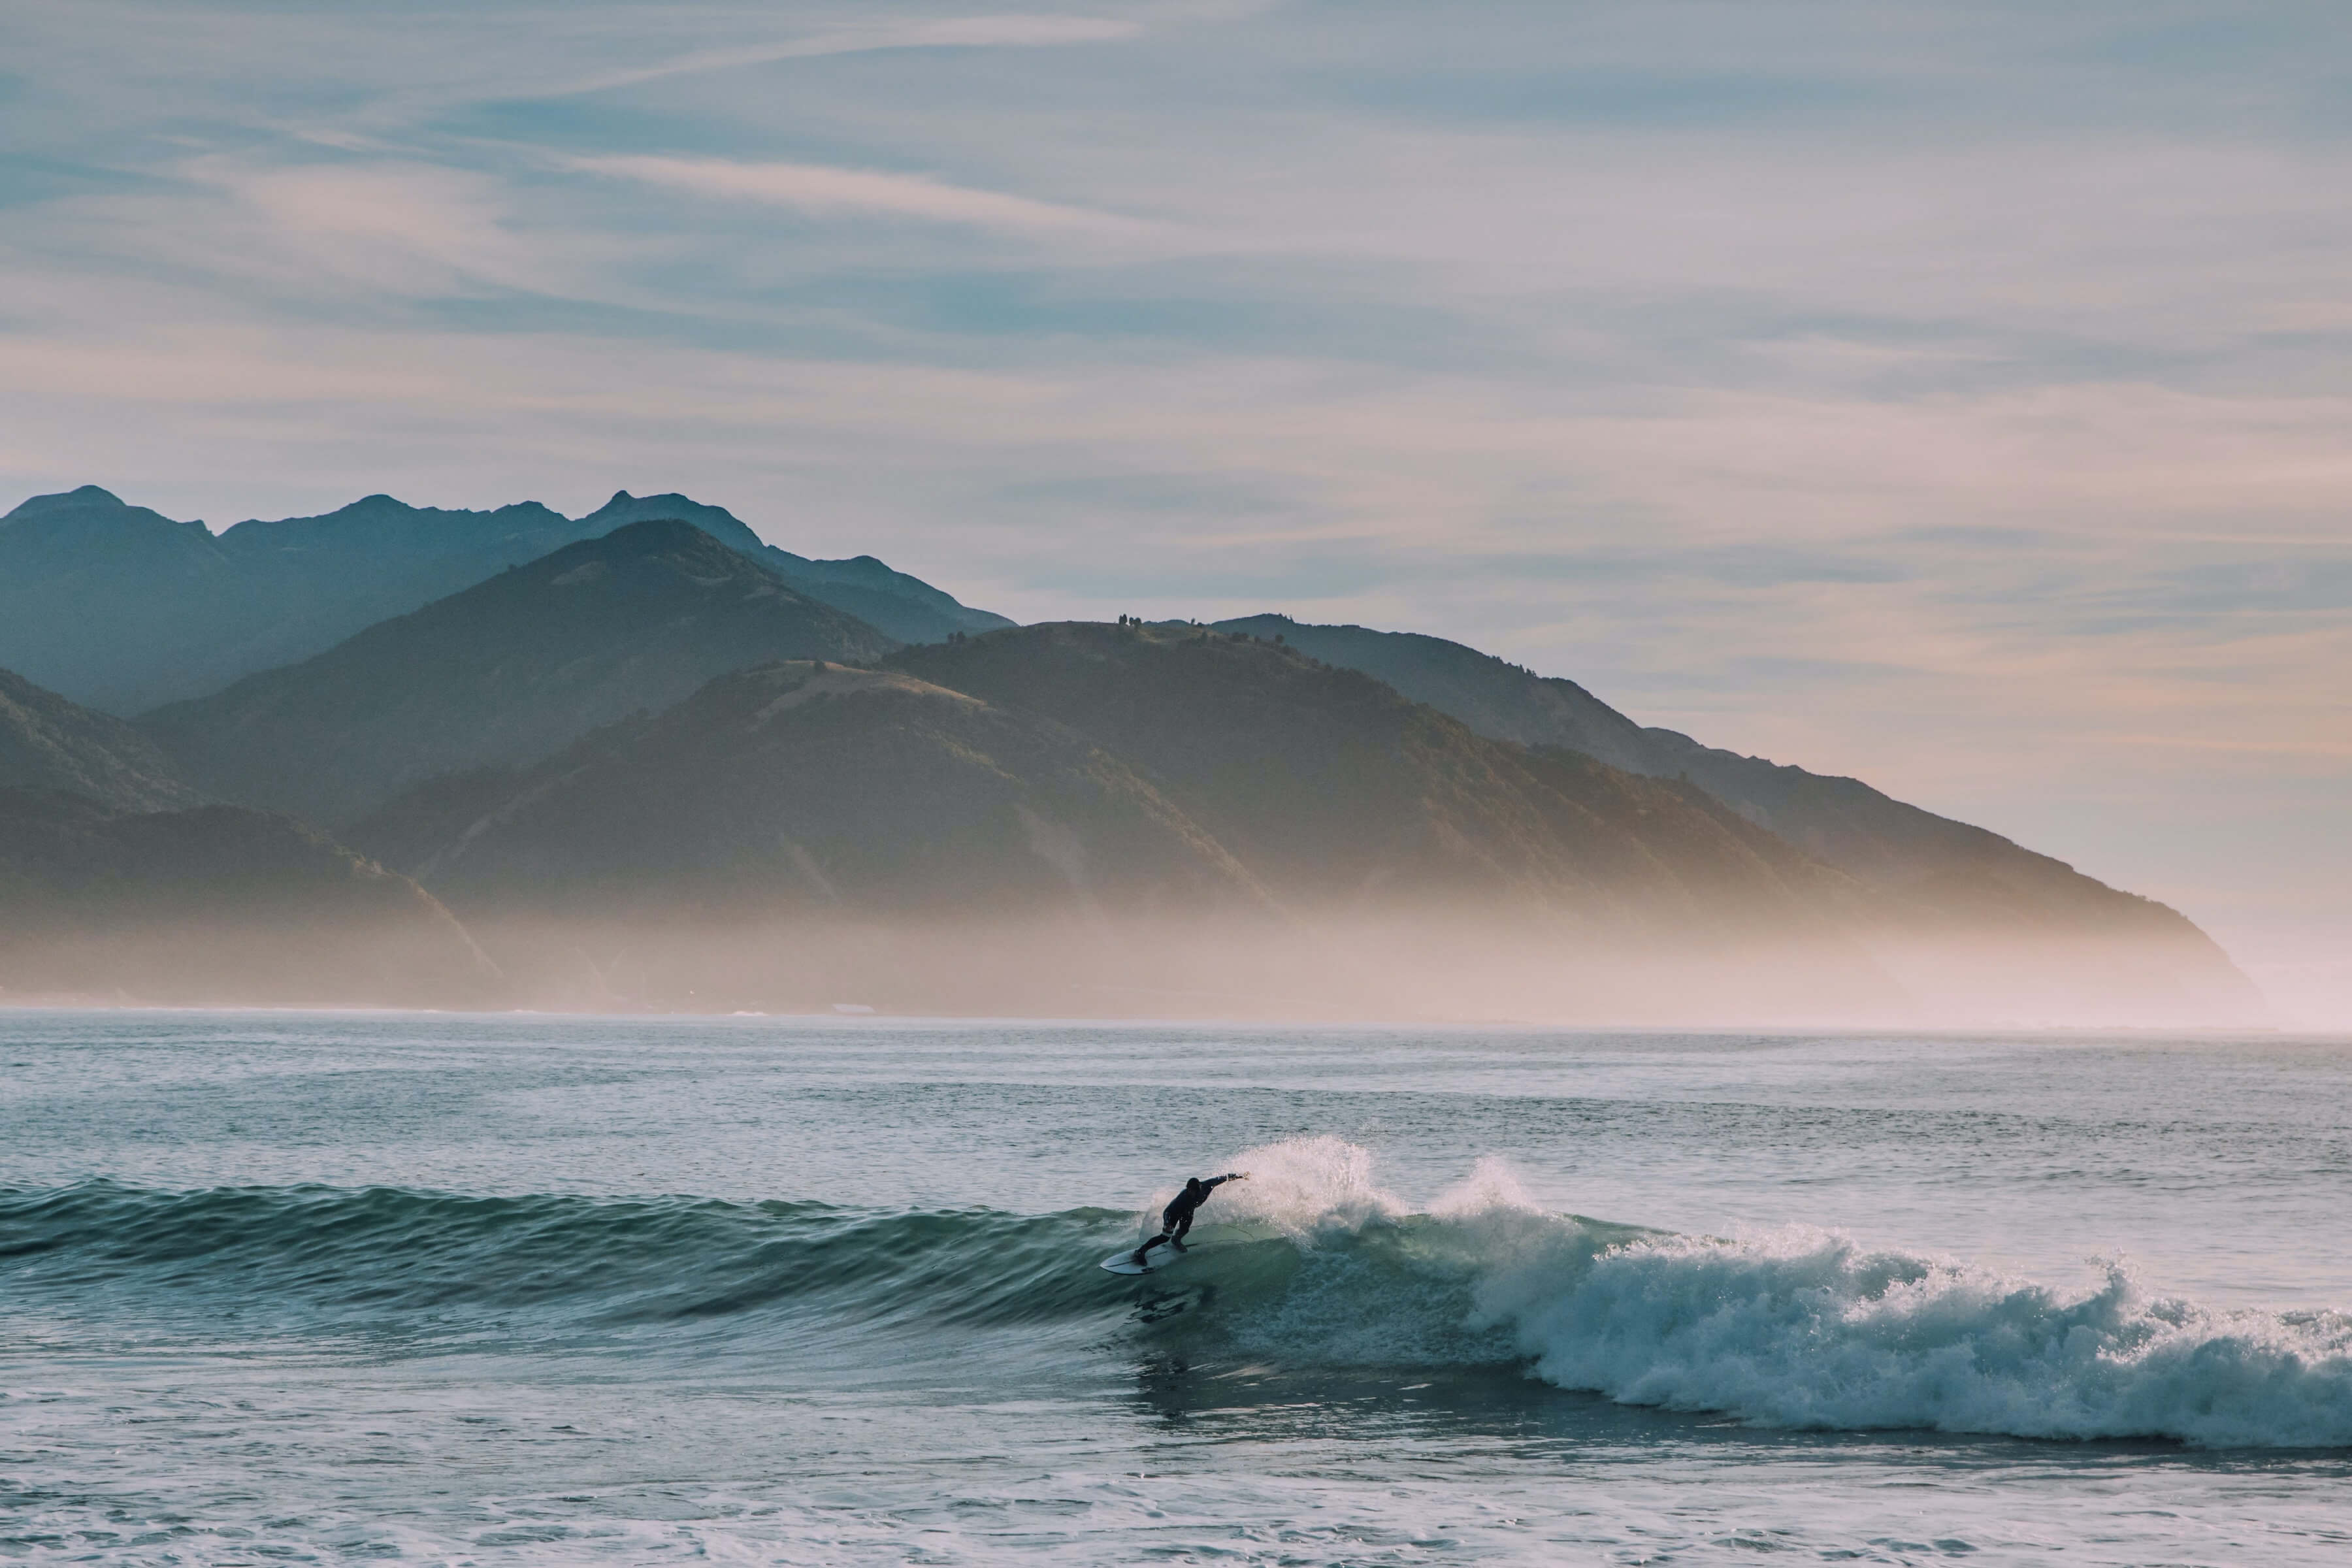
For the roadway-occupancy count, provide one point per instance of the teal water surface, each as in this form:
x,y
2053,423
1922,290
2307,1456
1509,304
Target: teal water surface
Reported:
x,y
334,1287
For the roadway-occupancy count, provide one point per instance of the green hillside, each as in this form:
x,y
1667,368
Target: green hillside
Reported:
x,y
49,743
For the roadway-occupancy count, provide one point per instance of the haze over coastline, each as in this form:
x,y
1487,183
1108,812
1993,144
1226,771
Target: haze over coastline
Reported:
x,y
664,767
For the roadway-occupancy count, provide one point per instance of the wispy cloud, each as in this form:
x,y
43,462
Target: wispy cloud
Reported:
x,y
401,227
816,189
1008,31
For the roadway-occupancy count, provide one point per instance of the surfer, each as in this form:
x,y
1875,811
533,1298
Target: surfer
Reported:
x,y
1177,1217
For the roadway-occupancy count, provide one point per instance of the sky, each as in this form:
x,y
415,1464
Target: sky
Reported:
x,y
1954,395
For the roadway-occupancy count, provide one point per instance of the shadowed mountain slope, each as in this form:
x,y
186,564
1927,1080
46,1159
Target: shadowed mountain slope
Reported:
x,y
1287,824
795,834
806,786
505,672
1080,815
1961,913
122,608
1968,874
216,905
49,743
1334,787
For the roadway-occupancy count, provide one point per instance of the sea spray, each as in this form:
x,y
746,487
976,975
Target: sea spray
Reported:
x,y
1303,1188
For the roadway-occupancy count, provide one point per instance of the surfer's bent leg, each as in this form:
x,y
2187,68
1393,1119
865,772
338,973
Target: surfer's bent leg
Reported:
x,y
1175,1239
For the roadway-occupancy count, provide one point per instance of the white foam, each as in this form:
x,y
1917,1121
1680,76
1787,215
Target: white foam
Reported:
x,y
1808,1327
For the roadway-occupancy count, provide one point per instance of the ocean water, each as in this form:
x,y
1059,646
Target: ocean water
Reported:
x,y
305,1288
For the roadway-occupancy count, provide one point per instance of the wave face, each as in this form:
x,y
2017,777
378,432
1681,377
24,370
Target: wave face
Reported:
x,y
320,1255
1309,1262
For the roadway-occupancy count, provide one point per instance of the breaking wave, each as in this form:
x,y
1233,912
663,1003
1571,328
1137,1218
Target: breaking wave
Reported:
x,y
1309,1262
1803,1328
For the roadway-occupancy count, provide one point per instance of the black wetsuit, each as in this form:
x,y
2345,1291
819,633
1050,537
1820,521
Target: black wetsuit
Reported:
x,y
1177,1217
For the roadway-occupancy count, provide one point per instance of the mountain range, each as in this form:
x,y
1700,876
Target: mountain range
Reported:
x,y
652,764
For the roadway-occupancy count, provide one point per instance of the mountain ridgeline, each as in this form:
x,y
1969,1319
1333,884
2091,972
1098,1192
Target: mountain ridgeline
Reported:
x,y
651,762
124,609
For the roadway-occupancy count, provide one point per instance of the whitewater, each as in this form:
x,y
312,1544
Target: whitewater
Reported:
x,y
341,1287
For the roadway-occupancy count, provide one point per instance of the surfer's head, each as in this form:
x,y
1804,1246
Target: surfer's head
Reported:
x,y
1192,1184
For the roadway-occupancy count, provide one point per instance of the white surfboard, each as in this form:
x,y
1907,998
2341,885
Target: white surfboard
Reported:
x,y
1123,1261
